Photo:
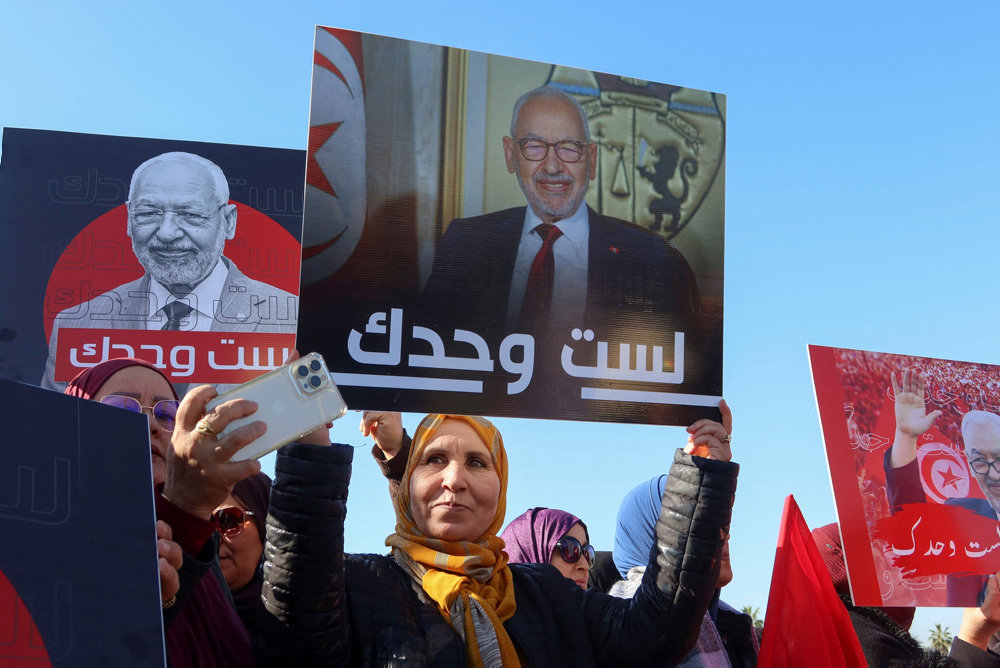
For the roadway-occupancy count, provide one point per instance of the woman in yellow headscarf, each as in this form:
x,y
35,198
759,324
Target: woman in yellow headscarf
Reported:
x,y
446,595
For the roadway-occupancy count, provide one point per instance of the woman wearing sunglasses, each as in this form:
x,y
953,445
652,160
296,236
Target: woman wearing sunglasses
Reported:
x,y
446,594
550,536
197,607
240,523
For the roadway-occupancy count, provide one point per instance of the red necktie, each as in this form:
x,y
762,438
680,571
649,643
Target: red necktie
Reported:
x,y
538,291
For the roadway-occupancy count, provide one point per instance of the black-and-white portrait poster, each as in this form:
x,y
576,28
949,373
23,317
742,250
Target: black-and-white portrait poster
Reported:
x,y
185,254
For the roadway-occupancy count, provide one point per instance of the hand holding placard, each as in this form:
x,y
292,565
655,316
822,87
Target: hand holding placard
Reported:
x,y
387,430
709,439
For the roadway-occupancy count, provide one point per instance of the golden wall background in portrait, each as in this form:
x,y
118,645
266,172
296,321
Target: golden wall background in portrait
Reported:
x,y
437,115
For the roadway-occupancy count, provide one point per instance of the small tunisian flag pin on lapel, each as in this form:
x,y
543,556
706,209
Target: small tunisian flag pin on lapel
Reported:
x,y
613,249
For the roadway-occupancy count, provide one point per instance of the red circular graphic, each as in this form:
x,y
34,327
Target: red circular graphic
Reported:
x,y
100,258
21,644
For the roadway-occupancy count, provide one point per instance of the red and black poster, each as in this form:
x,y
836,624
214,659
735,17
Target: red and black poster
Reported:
x,y
185,254
79,580
913,445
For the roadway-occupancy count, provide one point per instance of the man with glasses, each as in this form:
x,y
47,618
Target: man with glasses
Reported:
x,y
555,263
179,219
981,440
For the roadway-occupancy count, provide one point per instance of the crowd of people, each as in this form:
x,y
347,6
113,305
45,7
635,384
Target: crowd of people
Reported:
x,y
953,388
262,564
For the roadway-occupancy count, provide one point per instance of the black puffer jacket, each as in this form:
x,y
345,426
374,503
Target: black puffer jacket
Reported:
x,y
323,609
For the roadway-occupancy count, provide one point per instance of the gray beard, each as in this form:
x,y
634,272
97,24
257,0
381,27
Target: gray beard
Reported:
x,y
184,274
541,210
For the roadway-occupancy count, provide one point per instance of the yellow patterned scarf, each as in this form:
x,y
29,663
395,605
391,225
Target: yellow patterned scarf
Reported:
x,y
469,580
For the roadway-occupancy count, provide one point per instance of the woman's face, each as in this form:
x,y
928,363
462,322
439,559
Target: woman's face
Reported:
x,y
725,568
239,555
579,570
454,487
147,387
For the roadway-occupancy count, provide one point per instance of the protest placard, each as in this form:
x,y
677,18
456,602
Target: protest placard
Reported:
x,y
185,254
912,444
79,579
425,283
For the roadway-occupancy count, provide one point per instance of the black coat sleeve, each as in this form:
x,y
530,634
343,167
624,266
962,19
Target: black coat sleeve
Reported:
x,y
661,623
296,626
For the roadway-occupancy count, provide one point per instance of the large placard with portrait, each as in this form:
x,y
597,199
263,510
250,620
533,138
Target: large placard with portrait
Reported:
x,y
913,445
185,254
567,266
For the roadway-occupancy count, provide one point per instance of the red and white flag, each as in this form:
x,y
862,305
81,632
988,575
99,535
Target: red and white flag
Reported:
x,y
336,192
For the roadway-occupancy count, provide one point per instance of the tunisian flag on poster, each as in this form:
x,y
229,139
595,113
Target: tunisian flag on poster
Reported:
x,y
810,625
336,191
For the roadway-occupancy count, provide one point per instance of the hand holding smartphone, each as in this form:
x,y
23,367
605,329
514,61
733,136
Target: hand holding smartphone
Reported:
x,y
292,401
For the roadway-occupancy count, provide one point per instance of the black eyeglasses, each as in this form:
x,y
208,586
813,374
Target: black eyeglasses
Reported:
x,y
571,550
567,150
164,412
230,521
982,467
148,215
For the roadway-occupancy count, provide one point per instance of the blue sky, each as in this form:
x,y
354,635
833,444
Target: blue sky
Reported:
x,y
861,150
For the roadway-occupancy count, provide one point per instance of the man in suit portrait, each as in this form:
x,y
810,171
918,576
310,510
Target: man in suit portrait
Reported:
x,y
556,264
981,442
179,219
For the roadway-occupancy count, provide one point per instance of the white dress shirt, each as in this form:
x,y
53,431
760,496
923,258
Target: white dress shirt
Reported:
x,y
202,299
571,252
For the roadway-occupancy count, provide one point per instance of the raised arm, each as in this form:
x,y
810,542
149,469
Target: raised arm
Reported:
x,y
304,619
392,444
912,418
199,473
661,623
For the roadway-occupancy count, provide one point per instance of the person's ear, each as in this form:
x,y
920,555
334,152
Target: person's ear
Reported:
x,y
592,160
229,215
508,151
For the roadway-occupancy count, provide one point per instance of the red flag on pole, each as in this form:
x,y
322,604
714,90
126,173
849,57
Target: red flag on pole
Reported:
x,y
806,623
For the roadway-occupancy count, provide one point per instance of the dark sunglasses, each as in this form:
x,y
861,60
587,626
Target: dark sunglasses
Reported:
x,y
164,412
571,550
230,521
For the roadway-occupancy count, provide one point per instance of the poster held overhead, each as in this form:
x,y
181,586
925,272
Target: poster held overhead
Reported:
x,y
910,442
185,254
428,284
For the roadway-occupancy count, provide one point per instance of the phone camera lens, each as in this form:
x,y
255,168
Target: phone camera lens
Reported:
x,y
302,371
315,381
315,365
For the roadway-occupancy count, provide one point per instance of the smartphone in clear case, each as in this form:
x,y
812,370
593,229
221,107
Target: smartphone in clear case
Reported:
x,y
292,400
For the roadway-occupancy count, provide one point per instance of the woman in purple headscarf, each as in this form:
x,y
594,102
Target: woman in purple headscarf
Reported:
x,y
550,536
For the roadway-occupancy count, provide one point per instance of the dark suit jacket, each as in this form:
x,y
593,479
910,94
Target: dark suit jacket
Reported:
x,y
633,276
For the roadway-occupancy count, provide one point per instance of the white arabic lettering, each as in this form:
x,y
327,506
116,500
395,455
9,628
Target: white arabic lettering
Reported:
x,y
913,540
603,371
377,325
